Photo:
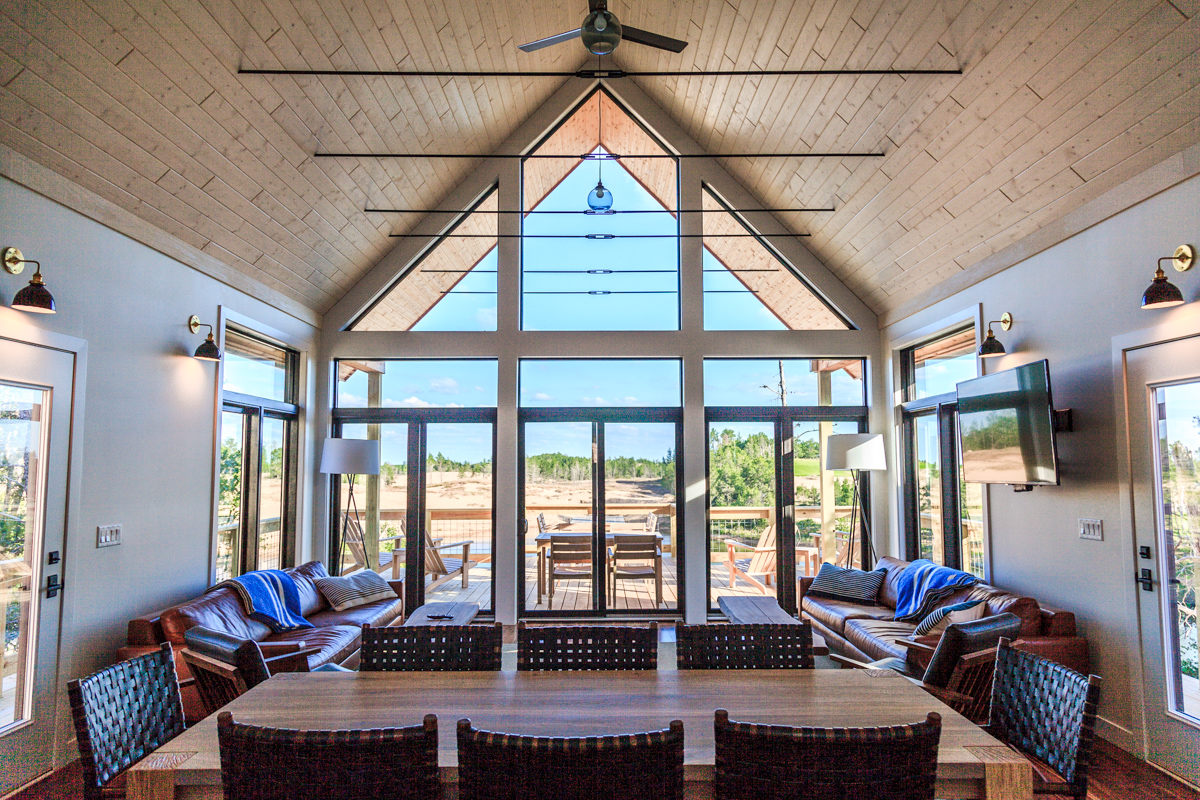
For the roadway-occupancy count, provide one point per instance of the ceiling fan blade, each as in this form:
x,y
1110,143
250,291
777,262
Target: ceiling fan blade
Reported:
x,y
557,38
640,36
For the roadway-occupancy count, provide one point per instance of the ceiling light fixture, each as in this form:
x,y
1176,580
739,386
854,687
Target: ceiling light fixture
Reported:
x,y
34,298
208,350
992,347
600,200
1162,293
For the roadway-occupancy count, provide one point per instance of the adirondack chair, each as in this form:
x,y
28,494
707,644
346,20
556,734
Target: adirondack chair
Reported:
x,y
439,568
761,563
355,541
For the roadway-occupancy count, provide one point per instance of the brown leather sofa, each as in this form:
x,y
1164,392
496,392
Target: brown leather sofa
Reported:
x,y
335,635
870,633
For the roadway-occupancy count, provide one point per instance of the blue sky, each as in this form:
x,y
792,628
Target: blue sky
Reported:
x,y
259,378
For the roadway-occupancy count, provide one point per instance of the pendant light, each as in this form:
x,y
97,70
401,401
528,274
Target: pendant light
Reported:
x,y
600,200
34,298
1162,293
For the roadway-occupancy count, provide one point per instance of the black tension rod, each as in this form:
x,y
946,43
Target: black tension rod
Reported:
x,y
592,157
592,74
471,211
596,236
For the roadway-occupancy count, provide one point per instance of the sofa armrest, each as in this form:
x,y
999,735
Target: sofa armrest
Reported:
x,y
295,661
802,589
917,644
1070,651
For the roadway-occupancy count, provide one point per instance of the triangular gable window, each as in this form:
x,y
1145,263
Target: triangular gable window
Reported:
x,y
748,287
452,287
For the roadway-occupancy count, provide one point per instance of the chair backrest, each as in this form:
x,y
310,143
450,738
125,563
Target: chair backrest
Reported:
x,y
586,647
433,558
763,560
635,547
355,541
281,764
571,549
897,762
502,766
963,638
1045,710
438,648
652,523
122,713
757,646
224,666
541,521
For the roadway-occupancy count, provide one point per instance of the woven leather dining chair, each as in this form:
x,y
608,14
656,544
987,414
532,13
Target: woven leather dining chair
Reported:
x,y
504,766
774,762
121,714
755,646
259,763
586,647
1048,713
435,648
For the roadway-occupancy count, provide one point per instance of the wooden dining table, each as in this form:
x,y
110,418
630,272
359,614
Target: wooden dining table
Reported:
x,y
971,764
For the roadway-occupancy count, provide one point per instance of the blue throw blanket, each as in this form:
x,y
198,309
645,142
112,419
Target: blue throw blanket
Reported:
x,y
269,596
922,584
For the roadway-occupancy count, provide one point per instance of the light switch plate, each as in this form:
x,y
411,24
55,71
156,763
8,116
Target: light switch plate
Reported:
x,y
108,535
1091,529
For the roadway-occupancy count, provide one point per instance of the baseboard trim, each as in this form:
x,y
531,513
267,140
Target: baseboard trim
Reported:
x,y
1129,741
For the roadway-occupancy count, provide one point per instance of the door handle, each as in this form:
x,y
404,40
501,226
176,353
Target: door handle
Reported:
x,y
53,587
1146,579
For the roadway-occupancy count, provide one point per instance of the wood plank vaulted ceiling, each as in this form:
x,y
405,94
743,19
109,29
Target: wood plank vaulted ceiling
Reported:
x,y
140,102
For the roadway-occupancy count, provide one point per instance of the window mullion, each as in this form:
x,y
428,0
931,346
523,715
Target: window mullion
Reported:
x,y
251,484
948,456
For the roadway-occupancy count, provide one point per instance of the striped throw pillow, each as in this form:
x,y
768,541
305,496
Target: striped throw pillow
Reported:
x,y
939,618
357,590
848,584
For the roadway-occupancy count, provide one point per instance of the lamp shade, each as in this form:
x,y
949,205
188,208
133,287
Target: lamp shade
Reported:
x,y
855,451
34,298
991,346
1161,293
350,457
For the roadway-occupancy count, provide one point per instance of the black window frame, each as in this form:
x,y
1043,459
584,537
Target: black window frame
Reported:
x,y
944,407
254,410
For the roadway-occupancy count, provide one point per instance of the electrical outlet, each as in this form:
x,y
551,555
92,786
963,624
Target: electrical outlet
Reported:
x,y
1091,529
108,535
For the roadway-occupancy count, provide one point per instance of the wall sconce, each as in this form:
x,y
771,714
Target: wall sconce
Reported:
x,y
208,350
1161,293
991,346
34,298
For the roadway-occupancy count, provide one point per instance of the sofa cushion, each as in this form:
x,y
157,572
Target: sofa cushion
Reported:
x,y
336,643
376,614
888,591
305,576
1000,601
220,609
939,618
833,612
855,585
364,586
877,637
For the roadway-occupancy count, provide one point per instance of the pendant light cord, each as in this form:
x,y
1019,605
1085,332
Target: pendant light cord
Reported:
x,y
600,122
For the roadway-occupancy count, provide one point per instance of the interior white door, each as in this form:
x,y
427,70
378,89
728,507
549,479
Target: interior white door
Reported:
x,y
1163,390
35,439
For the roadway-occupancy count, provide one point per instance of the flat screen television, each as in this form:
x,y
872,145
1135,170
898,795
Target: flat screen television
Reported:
x,y
1006,427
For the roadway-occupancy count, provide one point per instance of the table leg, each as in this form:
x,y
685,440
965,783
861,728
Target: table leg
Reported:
x,y
153,778
541,571
1007,775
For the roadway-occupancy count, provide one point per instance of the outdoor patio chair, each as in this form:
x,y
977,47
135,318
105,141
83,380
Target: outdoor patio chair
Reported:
x,y
441,648
586,647
1047,712
569,558
503,766
439,568
259,763
122,713
959,672
773,762
388,559
226,667
759,569
757,646
635,556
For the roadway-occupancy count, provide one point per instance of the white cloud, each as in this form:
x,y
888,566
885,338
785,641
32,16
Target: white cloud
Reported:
x,y
486,318
596,401
542,396
416,402
444,385
347,400
632,400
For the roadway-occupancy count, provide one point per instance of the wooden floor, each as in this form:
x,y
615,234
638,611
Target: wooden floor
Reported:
x,y
1115,775
577,595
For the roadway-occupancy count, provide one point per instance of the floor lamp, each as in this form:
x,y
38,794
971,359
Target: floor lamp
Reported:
x,y
856,452
351,457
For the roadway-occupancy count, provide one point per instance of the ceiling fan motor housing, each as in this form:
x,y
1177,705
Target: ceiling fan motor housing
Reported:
x,y
601,32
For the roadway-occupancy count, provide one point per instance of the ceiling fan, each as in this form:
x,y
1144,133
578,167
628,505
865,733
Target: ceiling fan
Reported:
x,y
601,32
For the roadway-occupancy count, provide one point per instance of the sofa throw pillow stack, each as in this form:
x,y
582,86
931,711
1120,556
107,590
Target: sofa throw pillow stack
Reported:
x,y
857,585
939,618
357,590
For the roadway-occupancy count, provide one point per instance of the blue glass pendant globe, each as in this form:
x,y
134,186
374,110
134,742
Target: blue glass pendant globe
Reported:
x,y
600,199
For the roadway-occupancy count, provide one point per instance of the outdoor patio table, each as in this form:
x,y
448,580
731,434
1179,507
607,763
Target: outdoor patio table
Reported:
x,y
542,540
970,762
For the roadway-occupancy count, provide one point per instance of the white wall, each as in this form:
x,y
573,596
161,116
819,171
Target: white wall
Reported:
x,y
148,443
1069,302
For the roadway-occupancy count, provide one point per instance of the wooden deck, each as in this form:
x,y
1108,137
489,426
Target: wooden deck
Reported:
x,y
577,595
